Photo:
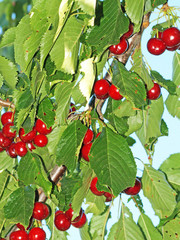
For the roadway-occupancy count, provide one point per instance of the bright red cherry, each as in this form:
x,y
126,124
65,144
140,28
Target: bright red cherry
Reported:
x,y
129,33
69,214
101,89
171,36
94,189
19,235
42,128
173,48
27,137
119,48
62,222
7,131
7,117
40,211
156,46
81,222
88,136
108,196
58,212
134,190
114,93
154,92
11,150
20,149
40,140
31,146
85,151
4,141
37,234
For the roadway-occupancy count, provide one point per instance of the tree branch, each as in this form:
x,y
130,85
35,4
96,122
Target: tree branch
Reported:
x,y
6,103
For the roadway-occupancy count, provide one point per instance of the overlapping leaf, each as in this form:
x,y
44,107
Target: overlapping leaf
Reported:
x,y
8,37
172,229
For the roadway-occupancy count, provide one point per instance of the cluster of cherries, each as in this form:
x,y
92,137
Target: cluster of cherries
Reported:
x,y
168,39
18,145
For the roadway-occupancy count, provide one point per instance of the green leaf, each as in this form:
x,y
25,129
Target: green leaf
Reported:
x,y
148,228
172,230
87,6
9,72
156,3
84,232
164,128
130,85
3,180
96,203
120,124
134,123
8,37
158,191
25,99
6,162
68,147
112,161
114,20
20,205
125,228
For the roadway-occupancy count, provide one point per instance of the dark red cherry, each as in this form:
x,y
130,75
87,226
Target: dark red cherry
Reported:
x,y
31,146
11,150
4,141
80,223
62,222
42,128
108,196
27,137
1,149
88,136
7,117
94,189
37,234
154,92
19,235
114,93
120,48
20,149
40,211
173,48
134,190
20,226
58,212
40,140
156,46
85,151
129,33
171,37
101,89
8,131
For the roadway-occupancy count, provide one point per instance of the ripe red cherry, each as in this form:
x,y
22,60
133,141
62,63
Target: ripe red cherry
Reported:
x,y
88,136
101,89
40,211
4,141
40,140
20,149
31,146
62,222
69,214
119,48
173,48
154,92
27,137
19,235
134,190
85,151
7,117
11,150
37,234
94,189
58,212
42,128
171,36
108,196
129,33
156,46
81,222
114,93
20,226
7,131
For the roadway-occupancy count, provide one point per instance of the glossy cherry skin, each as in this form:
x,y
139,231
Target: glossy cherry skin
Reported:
x,y
154,92
81,222
42,128
156,46
40,140
114,93
37,234
20,149
31,146
88,136
62,222
11,150
27,138
108,196
94,189
173,48
7,131
171,37
134,190
19,235
101,89
129,33
119,48
85,151
4,141
7,117
58,212
40,211
70,212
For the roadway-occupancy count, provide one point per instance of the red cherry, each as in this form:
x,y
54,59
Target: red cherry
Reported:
x,y
114,93
85,151
134,190
40,211
94,189
1,149
69,214
81,222
98,134
7,117
129,33
88,136
62,222
20,149
37,234
7,131
20,226
101,89
154,92
19,235
31,146
58,212
173,48
42,128
119,48
40,140
4,141
11,150
108,196
171,36
156,46
159,35
27,137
